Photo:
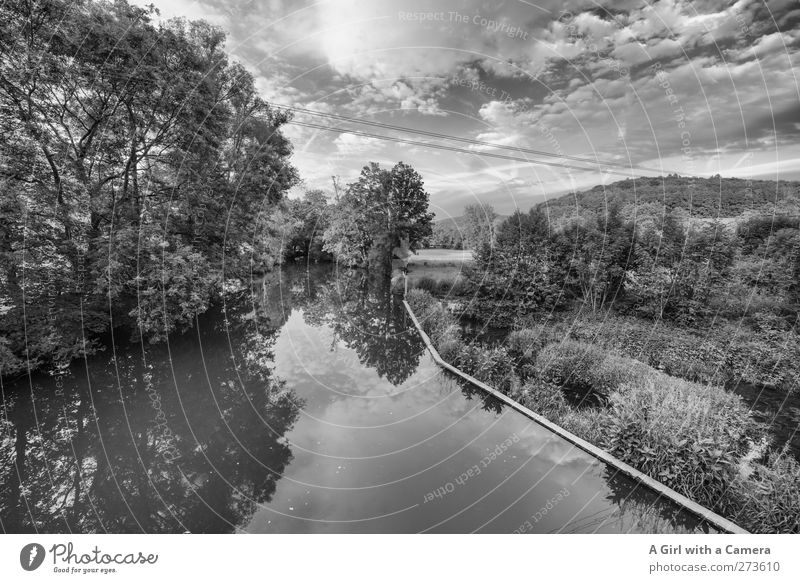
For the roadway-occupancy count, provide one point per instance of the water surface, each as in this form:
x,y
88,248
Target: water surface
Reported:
x,y
305,403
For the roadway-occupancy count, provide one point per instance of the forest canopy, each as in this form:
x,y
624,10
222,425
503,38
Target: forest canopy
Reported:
x,y
139,169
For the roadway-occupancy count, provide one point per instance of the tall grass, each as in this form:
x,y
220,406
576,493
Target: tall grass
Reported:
x,y
445,287
587,369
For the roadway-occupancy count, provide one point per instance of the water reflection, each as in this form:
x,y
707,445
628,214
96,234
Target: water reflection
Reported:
x,y
304,403
367,317
165,439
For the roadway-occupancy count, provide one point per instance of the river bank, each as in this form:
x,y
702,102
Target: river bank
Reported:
x,y
724,357
305,402
698,439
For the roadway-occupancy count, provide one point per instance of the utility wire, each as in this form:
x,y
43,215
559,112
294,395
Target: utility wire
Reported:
x,y
472,141
451,148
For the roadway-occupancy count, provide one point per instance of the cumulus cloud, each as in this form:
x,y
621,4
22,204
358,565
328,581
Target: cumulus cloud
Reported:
x,y
354,144
621,81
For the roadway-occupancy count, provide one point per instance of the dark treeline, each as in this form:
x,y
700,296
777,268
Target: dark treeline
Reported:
x,y
139,170
662,266
724,295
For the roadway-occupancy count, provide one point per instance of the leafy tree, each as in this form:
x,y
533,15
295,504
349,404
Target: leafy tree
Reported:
x,y
312,213
138,166
446,235
518,273
478,225
377,212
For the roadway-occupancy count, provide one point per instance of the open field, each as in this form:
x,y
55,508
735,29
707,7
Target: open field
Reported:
x,y
453,257
438,264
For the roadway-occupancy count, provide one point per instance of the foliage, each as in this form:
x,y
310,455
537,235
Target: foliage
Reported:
x,y
446,234
770,496
696,439
519,273
442,287
312,213
479,225
431,314
377,213
686,435
699,197
588,370
138,165
467,230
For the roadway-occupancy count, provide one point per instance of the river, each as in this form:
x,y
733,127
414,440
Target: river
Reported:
x,y
305,402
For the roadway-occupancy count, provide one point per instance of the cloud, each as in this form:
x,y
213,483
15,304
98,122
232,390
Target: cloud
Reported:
x,y
353,144
577,79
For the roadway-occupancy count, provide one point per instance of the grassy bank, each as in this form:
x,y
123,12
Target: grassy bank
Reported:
x,y
718,354
696,438
722,353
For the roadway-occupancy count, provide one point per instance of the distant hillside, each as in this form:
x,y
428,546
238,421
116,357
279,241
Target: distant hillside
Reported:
x,y
699,197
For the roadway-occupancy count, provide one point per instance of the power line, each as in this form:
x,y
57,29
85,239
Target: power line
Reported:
x,y
472,141
450,148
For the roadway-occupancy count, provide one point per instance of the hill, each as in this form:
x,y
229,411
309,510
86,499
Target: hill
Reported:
x,y
699,197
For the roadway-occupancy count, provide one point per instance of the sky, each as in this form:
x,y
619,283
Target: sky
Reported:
x,y
699,87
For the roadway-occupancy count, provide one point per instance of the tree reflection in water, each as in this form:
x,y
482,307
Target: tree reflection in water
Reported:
x,y
156,439
366,317
190,436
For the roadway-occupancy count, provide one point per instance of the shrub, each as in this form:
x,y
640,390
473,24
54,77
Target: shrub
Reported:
x,y
526,343
426,283
546,399
770,497
459,287
490,365
449,343
686,435
586,368
446,287
433,317
589,424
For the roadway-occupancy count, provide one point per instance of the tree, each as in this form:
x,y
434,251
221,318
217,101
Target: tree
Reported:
x,y
128,149
312,214
478,225
376,213
518,274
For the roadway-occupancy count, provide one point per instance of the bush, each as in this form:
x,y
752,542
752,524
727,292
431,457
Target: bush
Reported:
x,y
546,399
525,344
449,343
426,283
490,365
433,317
688,436
587,369
447,287
770,497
